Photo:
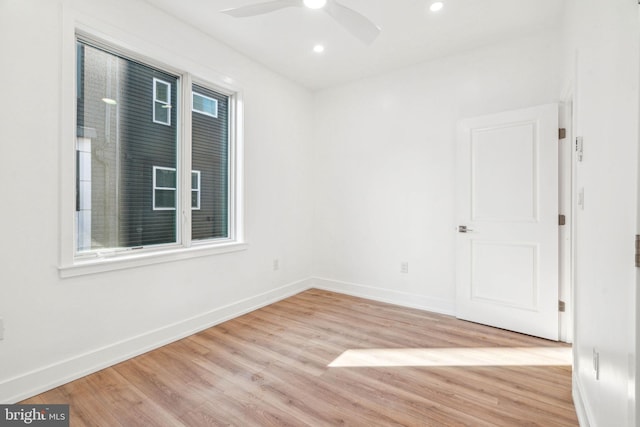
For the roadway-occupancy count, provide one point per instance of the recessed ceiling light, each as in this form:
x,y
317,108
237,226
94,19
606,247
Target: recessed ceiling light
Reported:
x,y
318,48
109,101
436,6
315,4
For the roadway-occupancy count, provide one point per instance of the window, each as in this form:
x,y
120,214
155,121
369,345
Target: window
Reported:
x,y
132,190
122,208
164,188
195,190
161,102
204,105
210,156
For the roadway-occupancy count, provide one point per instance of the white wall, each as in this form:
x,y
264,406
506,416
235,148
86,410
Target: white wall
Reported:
x,y
603,55
58,328
366,170
384,166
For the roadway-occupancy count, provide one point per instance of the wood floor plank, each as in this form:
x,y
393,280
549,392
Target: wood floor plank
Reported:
x,y
275,367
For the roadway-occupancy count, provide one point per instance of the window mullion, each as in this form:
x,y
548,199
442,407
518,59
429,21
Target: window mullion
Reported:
x,y
184,157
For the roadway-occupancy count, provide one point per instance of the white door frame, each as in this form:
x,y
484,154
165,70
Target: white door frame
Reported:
x,y
567,200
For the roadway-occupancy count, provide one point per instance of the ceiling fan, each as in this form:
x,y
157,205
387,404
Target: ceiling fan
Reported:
x,y
354,22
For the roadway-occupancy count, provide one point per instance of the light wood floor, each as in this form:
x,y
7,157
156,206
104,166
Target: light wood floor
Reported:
x,y
270,368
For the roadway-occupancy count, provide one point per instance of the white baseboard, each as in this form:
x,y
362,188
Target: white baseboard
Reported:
x,y
405,299
579,403
45,378
40,380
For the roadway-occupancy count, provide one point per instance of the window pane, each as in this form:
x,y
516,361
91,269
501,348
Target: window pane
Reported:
x,y
195,180
165,199
161,113
194,200
162,92
117,146
165,178
210,155
205,105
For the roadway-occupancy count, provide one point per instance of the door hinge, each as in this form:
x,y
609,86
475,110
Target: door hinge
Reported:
x,y
561,306
562,133
637,250
562,220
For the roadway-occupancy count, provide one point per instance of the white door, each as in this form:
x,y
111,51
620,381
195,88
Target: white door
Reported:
x,y
507,194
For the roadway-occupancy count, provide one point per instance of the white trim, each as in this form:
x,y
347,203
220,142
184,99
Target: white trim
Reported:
x,y
101,262
45,378
566,193
67,235
405,299
166,104
236,167
185,149
584,415
155,187
194,109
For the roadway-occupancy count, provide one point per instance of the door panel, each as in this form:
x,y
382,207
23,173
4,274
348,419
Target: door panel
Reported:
x,y
504,273
507,182
503,173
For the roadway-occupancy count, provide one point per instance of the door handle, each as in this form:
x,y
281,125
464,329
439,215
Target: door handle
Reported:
x,y
464,229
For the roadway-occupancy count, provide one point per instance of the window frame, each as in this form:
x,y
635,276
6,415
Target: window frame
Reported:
x,y
72,263
199,189
194,109
155,187
165,104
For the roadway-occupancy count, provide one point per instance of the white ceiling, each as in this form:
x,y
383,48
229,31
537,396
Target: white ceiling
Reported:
x,y
283,40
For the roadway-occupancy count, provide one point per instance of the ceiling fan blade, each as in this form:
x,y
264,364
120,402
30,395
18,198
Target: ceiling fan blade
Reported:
x,y
261,8
355,23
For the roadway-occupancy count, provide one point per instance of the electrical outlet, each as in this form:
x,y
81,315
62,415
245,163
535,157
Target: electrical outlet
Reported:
x,y
276,264
404,267
596,363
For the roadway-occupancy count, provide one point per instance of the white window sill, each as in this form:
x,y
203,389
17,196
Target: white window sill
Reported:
x,y
121,262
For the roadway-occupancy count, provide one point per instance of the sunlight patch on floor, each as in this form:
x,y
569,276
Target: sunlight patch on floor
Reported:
x,y
494,356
